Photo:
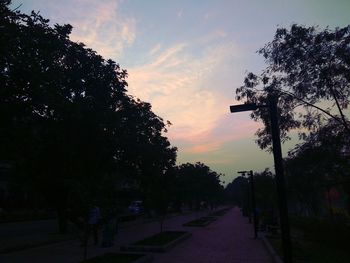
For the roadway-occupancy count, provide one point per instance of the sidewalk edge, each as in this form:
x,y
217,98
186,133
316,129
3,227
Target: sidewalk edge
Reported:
x,y
271,250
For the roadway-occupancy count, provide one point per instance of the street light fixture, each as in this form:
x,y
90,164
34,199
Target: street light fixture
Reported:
x,y
243,107
280,180
252,190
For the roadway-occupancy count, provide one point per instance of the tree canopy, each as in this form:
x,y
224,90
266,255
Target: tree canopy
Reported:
x,y
197,182
316,165
239,191
69,128
308,70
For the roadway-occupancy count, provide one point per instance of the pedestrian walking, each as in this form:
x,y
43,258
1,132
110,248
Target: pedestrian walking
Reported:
x,y
93,223
109,230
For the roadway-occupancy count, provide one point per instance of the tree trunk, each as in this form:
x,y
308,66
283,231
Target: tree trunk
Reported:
x,y
62,220
161,224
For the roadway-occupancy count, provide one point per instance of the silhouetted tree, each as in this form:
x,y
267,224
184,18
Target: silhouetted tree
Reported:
x,y
305,67
238,192
317,164
198,183
266,196
265,193
68,125
145,150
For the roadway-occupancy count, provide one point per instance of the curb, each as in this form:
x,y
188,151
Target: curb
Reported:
x,y
272,251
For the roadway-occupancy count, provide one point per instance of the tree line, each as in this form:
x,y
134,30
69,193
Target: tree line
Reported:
x,y
71,133
308,72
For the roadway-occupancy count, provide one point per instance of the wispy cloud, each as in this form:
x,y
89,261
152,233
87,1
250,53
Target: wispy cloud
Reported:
x,y
181,88
98,24
155,49
226,129
204,147
168,58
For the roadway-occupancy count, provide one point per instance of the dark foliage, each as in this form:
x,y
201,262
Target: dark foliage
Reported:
x,y
198,183
305,66
318,164
69,130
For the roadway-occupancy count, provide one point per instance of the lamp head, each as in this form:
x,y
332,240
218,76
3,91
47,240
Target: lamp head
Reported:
x,y
243,107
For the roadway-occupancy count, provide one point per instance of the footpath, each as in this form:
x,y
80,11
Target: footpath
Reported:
x,y
229,239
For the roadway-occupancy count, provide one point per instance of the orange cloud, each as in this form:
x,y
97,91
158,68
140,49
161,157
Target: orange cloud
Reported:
x,y
203,148
228,131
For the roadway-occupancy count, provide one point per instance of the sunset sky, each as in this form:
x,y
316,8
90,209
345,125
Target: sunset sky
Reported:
x,y
187,57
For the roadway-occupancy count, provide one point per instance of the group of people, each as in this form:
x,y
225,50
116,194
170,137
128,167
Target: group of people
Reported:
x,y
109,226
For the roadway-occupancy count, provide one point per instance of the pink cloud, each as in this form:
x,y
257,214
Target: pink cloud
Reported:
x,y
182,88
226,131
98,24
203,148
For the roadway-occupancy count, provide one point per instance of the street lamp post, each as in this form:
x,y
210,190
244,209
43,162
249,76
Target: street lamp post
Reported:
x,y
252,190
247,209
280,181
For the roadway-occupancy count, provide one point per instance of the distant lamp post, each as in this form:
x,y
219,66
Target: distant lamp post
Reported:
x,y
252,191
280,180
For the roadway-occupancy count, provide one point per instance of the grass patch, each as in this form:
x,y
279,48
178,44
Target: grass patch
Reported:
x,y
160,239
313,252
114,258
317,241
322,230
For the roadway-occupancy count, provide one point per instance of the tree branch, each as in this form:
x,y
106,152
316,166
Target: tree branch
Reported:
x,y
340,111
316,107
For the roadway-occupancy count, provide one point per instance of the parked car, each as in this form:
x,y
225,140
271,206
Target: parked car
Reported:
x,y
136,207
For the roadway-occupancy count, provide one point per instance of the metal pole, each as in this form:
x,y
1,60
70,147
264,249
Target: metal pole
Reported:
x,y
330,202
280,180
249,204
255,218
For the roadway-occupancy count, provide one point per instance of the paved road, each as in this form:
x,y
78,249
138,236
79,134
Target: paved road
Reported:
x,y
228,240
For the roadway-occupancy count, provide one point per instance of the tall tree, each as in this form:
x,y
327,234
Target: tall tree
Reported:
x,y
238,192
308,70
68,125
318,164
198,183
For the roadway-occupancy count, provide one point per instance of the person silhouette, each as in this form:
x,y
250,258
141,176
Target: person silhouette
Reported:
x,y
93,222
